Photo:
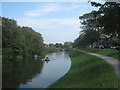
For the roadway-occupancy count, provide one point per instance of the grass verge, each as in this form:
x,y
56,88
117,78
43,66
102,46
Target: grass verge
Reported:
x,y
87,71
107,52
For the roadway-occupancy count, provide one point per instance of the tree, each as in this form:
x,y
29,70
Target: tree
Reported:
x,y
68,45
88,37
19,41
58,45
99,24
109,20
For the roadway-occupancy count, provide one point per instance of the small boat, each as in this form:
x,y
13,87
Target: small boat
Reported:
x,y
47,59
35,56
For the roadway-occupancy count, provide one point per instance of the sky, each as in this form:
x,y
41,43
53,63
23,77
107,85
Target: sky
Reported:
x,y
58,22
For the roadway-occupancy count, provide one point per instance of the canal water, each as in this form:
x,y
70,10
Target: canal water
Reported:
x,y
36,73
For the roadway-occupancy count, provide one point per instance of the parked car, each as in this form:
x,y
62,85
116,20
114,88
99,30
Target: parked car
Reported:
x,y
95,46
115,47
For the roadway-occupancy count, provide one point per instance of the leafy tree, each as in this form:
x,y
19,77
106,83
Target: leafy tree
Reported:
x,y
100,26
19,41
109,20
58,45
68,45
80,41
88,37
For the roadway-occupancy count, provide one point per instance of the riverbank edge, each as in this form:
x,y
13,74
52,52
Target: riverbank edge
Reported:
x,y
103,77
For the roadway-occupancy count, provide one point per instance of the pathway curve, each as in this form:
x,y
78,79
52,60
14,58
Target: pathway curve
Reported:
x,y
114,62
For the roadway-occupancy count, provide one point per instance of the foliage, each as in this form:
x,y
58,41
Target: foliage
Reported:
x,y
80,41
110,12
95,4
50,50
90,32
58,45
99,26
18,40
87,71
87,38
68,45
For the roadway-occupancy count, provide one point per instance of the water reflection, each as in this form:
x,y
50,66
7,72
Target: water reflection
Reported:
x,y
46,61
58,65
15,73
36,73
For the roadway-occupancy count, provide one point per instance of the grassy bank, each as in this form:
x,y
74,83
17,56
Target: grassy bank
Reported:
x,y
107,52
87,71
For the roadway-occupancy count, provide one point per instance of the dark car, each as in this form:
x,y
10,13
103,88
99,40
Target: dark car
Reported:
x,y
116,47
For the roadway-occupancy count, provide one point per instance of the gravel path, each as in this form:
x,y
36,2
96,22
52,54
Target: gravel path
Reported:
x,y
114,62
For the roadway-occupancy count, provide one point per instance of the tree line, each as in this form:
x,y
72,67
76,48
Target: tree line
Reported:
x,y
101,27
19,41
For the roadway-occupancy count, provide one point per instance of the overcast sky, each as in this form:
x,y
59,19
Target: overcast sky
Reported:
x,y
56,21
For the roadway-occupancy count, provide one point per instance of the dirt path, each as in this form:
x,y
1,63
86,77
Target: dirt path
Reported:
x,y
114,62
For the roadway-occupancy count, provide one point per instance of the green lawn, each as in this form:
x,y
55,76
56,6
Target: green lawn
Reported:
x,y
87,71
108,52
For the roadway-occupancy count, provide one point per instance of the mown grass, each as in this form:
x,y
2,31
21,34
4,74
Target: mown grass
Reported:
x,y
107,52
87,71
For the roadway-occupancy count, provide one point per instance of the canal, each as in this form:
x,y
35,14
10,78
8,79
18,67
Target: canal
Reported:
x,y
34,73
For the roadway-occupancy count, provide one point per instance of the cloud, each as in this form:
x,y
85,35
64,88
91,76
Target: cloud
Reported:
x,y
49,8
36,23
42,10
53,30
58,29
48,23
